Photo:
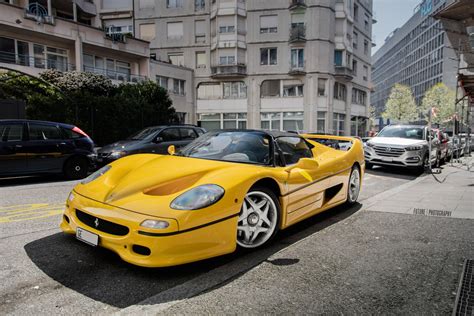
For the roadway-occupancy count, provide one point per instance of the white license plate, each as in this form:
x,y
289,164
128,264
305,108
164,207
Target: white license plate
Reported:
x,y
387,159
87,237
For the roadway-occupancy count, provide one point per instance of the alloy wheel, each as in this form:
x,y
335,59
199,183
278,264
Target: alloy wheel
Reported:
x,y
354,186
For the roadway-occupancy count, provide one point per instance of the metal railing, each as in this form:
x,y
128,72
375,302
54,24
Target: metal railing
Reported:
x,y
115,75
229,70
343,71
297,33
38,13
36,62
297,3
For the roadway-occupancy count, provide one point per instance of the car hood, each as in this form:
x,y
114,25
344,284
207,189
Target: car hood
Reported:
x,y
148,183
118,146
396,141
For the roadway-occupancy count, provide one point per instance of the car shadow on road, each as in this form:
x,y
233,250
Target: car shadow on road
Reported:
x,y
101,275
394,172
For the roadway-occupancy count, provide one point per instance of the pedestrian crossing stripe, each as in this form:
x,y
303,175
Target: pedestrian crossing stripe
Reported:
x,y
17,213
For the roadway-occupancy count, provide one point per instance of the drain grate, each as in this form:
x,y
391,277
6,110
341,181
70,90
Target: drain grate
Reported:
x,y
465,298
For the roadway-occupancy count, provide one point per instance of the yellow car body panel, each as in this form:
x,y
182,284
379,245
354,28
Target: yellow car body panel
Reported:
x,y
141,187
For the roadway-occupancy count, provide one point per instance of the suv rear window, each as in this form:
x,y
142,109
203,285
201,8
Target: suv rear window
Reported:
x,y
44,132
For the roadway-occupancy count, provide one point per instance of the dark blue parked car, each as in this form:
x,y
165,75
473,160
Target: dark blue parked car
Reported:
x,y
36,147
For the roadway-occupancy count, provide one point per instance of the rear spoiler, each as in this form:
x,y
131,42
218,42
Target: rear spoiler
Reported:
x,y
327,137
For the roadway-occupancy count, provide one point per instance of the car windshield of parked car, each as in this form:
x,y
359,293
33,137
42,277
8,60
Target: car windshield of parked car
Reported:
x,y
144,133
402,132
246,147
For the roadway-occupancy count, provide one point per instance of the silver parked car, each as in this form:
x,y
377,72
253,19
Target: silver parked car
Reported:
x,y
402,145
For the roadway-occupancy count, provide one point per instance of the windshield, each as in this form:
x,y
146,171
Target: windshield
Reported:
x,y
144,133
402,132
246,147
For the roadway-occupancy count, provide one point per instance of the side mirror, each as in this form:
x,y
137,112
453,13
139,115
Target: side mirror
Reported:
x,y
158,139
304,163
171,150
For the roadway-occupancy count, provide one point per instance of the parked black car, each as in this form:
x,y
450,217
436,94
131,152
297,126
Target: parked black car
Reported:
x,y
155,139
34,147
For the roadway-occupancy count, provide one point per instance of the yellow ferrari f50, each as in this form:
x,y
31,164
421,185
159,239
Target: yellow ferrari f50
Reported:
x,y
226,189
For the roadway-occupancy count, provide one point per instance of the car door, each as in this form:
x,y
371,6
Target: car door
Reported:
x,y
305,186
167,137
44,147
13,158
188,134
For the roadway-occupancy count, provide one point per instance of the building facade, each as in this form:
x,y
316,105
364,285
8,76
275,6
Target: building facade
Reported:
x,y
418,54
300,65
84,35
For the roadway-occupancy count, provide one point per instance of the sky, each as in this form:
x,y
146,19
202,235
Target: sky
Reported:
x,y
390,14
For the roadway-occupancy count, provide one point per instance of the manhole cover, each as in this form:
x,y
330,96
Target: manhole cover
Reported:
x,y
465,298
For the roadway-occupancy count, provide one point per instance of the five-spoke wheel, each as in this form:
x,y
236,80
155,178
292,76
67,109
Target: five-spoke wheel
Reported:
x,y
354,186
258,219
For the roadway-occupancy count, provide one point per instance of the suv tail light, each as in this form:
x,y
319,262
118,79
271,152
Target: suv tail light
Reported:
x,y
80,131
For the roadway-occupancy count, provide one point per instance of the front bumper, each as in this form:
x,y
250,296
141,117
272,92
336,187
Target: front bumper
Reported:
x,y
408,159
167,247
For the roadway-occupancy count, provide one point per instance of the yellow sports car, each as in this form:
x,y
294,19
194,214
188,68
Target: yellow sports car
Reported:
x,y
225,189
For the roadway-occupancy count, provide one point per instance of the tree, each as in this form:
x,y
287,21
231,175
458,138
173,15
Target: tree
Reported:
x,y
401,105
441,97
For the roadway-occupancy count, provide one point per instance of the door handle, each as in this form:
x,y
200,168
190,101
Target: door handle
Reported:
x,y
62,143
18,146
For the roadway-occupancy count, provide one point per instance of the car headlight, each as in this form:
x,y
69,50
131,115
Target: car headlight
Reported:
x,y
413,148
96,174
156,224
198,197
117,154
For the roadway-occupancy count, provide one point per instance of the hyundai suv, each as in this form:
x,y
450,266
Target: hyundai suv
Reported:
x,y
402,145
32,147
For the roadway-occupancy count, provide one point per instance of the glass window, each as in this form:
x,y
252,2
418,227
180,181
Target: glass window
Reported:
x,y
11,132
297,58
293,91
7,50
235,90
162,82
269,24
321,122
268,56
176,59
170,134
270,88
200,59
44,132
175,30
174,3
293,121
338,57
293,148
199,5
322,86
147,31
178,86
188,133
340,91
338,123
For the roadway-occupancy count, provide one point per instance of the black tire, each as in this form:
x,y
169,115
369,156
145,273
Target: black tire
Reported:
x,y
353,196
76,168
267,239
368,166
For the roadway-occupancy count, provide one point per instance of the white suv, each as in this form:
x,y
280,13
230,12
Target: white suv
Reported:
x,y
401,145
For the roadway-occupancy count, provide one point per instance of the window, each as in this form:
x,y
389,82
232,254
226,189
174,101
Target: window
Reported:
x,y
359,96
44,132
147,31
227,60
235,120
11,133
355,40
123,70
209,90
293,91
340,91
175,30
178,87
170,134
321,122
297,58
188,133
174,3
269,24
338,57
235,90
338,123
162,82
290,121
293,148
227,29
210,121
322,87
200,59
268,56
14,51
199,5
366,47
366,22
366,73
270,88
293,121
176,59
50,57
200,31
354,67
356,12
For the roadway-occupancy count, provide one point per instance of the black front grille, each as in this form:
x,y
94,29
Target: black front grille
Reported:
x,y
389,151
101,224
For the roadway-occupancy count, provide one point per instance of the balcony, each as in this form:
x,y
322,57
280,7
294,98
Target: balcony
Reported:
x,y
38,13
343,73
297,4
58,62
297,33
229,71
296,70
121,76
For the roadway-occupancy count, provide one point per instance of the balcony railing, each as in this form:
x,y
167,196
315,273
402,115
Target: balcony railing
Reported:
x,y
115,75
37,12
296,4
297,33
117,36
296,70
238,70
35,62
344,72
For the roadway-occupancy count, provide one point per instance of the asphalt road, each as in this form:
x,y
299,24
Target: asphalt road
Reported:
x,y
43,271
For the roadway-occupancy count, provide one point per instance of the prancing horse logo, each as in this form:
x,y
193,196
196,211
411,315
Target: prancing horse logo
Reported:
x,y
96,222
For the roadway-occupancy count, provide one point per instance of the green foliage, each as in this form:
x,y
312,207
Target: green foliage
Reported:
x,y
442,98
104,111
401,106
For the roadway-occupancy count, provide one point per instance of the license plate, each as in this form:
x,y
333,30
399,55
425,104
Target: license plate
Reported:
x,y
387,159
87,237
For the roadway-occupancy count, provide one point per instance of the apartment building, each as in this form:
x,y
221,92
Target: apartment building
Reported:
x,y
273,64
85,35
418,54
